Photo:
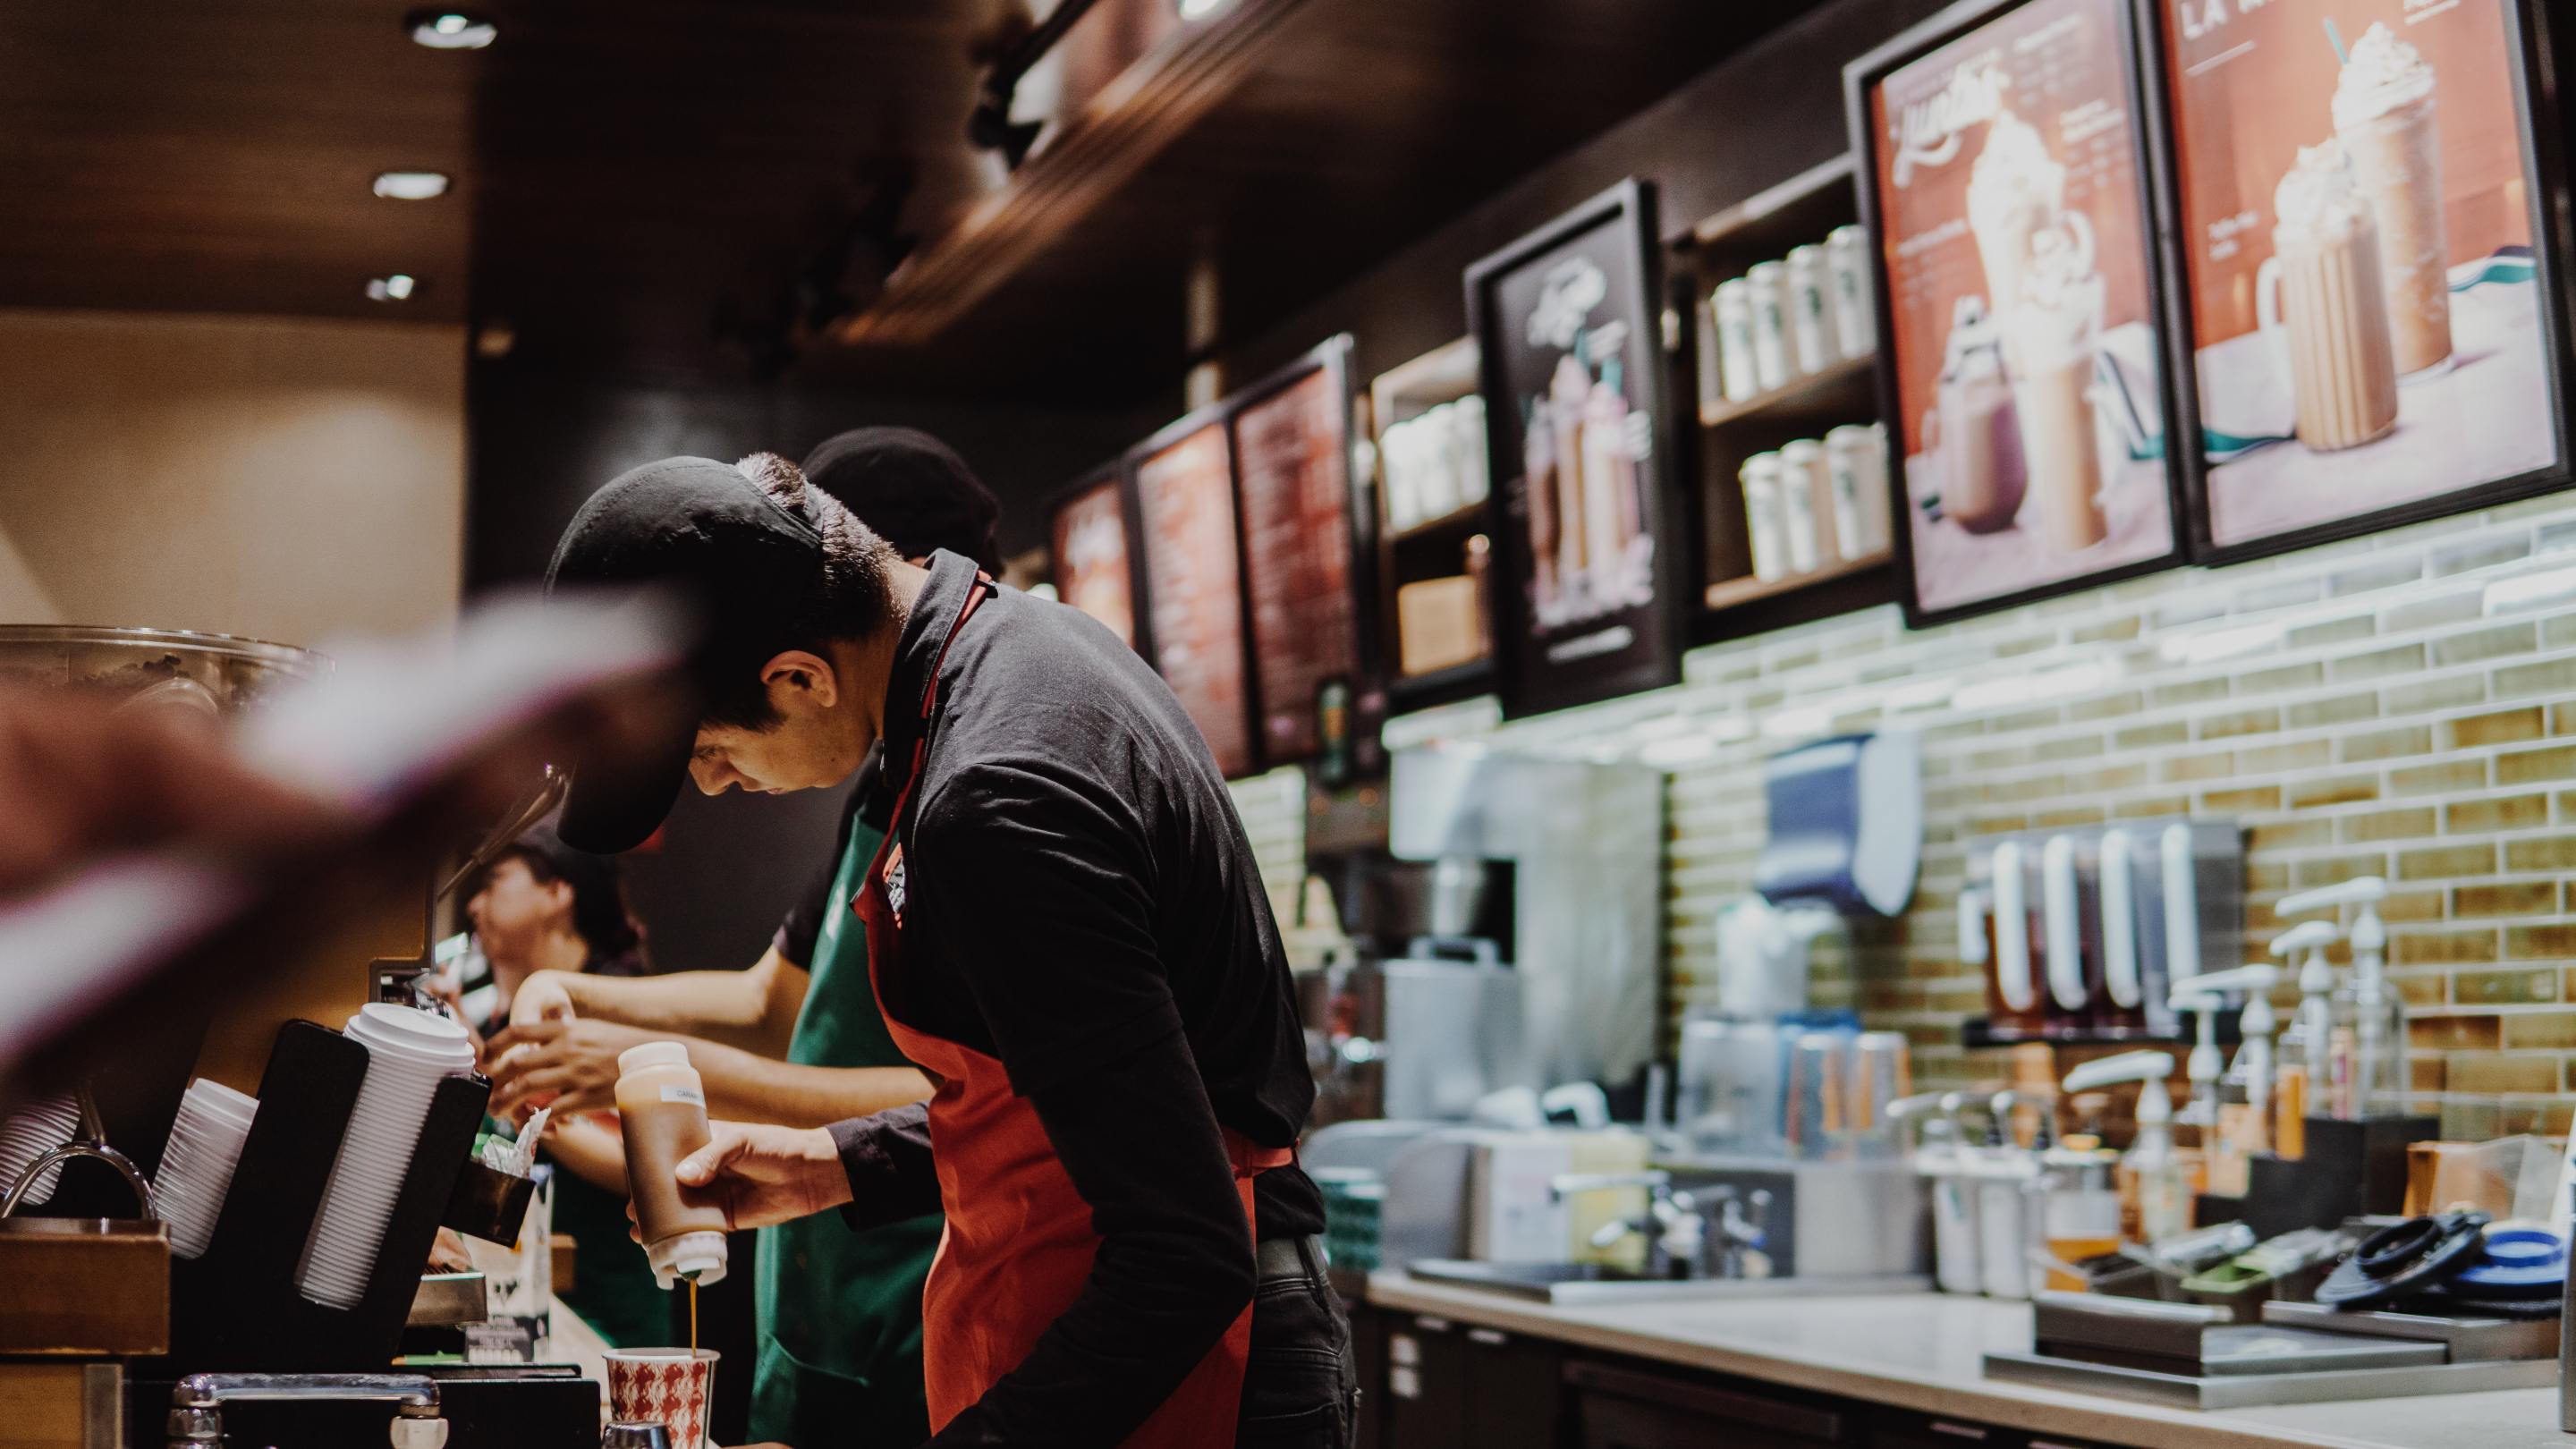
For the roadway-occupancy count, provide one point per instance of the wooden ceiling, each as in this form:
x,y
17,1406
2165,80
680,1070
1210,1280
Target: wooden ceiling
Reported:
x,y
642,184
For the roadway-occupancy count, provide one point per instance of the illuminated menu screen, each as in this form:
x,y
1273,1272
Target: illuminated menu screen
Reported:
x,y
1294,456
1185,494
1094,566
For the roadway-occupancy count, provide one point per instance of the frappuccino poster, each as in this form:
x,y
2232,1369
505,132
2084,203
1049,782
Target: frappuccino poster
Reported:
x,y
1586,600
2018,264
2355,217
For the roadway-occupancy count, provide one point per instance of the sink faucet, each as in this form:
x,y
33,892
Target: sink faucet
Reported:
x,y
1676,1245
197,1413
1741,1235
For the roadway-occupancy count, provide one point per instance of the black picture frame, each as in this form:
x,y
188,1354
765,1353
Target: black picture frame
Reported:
x,y
1113,473
1214,416
1860,78
1656,631
1330,358
2529,47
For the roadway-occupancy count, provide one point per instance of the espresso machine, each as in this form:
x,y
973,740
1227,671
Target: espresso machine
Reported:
x,y
1506,937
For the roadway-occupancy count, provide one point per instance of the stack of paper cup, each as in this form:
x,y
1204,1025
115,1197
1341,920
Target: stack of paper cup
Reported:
x,y
408,1053
30,1133
197,1167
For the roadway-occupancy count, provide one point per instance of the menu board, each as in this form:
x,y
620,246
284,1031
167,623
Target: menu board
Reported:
x,y
1193,587
1095,569
1292,451
2018,269
2369,322
1588,598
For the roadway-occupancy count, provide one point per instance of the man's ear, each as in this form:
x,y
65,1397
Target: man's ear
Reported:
x,y
796,669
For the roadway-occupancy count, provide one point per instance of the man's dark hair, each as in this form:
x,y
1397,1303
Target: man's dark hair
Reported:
x,y
853,599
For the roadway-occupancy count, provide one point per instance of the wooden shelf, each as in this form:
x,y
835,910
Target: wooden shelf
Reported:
x,y
1440,686
1444,374
1843,393
1734,593
1776,218
1469,518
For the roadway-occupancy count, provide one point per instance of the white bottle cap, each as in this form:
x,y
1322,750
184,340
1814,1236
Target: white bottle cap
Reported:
x,y
653,1054
699,1257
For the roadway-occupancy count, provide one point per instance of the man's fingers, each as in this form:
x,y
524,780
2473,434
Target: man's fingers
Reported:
x,y
728,1145
528,1033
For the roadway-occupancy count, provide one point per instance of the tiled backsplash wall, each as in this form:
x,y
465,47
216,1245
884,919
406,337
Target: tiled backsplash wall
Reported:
x,y
2403,704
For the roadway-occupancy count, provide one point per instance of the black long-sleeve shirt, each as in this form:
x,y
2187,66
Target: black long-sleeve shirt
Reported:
x,y
1081,904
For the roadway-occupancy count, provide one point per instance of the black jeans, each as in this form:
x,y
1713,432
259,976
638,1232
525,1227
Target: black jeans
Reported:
x,y
1300,1384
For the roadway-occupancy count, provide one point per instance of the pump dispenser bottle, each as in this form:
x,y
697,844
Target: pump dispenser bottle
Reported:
x,y
2306,1072
2155,1189
2373,1050
2224,1133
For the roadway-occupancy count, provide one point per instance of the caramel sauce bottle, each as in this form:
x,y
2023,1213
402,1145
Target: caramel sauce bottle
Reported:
x,y
662,1114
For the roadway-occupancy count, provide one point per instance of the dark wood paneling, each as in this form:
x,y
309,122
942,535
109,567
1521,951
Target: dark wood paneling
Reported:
x,y
1756,119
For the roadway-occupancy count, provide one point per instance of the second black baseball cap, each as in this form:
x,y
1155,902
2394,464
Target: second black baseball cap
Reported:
x,y
711,535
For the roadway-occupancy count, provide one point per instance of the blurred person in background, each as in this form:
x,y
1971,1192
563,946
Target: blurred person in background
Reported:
x,y
796,1040
541,905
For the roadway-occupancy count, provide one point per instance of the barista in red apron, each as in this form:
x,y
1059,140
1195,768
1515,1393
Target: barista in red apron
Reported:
x,y
1067,930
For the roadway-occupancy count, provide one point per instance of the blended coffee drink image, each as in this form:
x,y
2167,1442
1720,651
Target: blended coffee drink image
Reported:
x,y
1970,429
2383,114
2053,331
2015,192
2324,297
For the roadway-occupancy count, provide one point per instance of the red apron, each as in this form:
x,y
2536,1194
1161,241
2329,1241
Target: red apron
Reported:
x,y
1019,1245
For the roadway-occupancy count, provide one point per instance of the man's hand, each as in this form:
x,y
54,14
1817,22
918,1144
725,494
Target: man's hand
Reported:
x,y
572,1064
760,1175
542,997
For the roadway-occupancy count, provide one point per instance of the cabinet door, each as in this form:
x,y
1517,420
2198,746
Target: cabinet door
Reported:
x,y
1426,1384
1368,1354
1620,1408
1515,1391
1901,1429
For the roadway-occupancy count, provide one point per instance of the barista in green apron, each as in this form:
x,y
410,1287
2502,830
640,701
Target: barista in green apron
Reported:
x,y
840,1312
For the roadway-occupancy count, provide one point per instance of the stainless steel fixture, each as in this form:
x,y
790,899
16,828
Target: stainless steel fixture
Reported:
x,y
1585,845
197,1403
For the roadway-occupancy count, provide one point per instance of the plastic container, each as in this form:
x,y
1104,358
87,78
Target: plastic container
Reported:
x,y
662,1114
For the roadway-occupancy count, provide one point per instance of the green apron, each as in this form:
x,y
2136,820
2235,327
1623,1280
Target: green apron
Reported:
x,y
613,1287
839,1313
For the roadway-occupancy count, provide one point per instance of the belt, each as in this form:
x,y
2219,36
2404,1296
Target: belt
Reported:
x,y
1279,1259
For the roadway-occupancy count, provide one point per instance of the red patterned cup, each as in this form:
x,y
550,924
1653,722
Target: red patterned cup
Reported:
x,y
668,1386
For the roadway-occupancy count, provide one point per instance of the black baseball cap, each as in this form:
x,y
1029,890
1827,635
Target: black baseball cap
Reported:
x,y
912,489
710,534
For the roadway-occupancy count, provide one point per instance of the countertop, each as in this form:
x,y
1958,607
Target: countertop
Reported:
x,y
1926,1352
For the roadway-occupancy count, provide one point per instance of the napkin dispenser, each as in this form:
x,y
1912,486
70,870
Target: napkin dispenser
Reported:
x,y
1846,823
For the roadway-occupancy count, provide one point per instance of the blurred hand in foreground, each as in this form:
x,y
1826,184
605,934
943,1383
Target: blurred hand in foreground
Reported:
x,y
81,777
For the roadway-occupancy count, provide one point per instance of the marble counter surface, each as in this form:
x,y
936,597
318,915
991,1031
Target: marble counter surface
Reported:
x,y
1926,1352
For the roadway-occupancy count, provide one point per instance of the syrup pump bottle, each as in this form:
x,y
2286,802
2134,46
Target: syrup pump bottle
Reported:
x,y
2370,1053
2307,1070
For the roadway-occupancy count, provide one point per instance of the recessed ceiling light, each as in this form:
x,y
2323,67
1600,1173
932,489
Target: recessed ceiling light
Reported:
x,y
451,29
1202,9
411,185
396,288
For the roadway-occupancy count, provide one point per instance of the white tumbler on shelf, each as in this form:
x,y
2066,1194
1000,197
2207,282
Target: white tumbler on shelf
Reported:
x,y
1768,284
1760,476
1806,520
1732,306
1814,339
1855,298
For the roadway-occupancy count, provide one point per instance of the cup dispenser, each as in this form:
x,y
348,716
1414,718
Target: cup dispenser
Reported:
x,y
2080,933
